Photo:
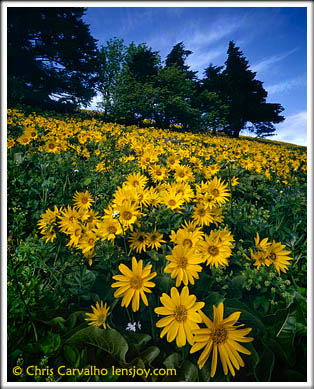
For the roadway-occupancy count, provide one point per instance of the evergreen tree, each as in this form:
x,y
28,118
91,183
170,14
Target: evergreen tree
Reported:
x,y
177,56
246,97
50,53
142,62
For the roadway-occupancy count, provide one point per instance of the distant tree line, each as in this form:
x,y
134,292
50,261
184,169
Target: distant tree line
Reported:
x,y
54,62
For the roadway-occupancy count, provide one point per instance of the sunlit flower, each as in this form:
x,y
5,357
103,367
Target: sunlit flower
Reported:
x,y
184,265
154,239
82,200
133,284
216,249
182,315
221,336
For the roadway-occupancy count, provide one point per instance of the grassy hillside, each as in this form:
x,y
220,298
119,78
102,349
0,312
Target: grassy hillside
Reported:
x,y
112,229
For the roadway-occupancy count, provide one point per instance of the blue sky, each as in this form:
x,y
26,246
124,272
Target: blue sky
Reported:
x,y
273,39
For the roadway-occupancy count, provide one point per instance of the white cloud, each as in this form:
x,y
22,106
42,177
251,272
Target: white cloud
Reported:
x,y
265,63
286,85
198,61
198,38
292,130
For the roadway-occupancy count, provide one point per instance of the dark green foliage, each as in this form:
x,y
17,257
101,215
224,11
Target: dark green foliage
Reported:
x,y
177,56
246,97
50,53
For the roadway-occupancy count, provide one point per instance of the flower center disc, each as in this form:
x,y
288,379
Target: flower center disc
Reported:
x,y
127,215
182,262
84,200
201,212
219,335
213,250
215,192
112,229
100,318
136,282
172,203
273,256
181,313
187,243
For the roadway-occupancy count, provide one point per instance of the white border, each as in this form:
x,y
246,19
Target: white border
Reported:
x,y
164,4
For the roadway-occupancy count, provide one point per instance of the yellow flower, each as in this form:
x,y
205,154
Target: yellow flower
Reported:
x,y
125,195
87,241
10,143
75,232
68,219
47,223
278,256
183,173
109,228
202,215
185,238
82,200
100,167
219,190
128,214
99,316
182,316
24,139
158,173
221,336
216,249
154,239
133,284
138,241
234,181
184,264
52,147
184,189
172,200
136,180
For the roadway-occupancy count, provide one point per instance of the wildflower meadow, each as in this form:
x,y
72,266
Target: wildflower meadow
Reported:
x,y
146,254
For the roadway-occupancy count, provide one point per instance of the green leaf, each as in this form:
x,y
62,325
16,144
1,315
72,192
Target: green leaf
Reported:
x,y
70,353
138,340
150,354
172,361
250,318
87,181
74,317
51,343
190,372
109,340
264,369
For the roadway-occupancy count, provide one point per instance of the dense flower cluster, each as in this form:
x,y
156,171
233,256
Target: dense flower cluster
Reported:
x,y
173,174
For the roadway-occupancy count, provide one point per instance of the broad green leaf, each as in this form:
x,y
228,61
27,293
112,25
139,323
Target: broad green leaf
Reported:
x,y
138,339
190,372
109,340
172,360
70,353
264,369
150,354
